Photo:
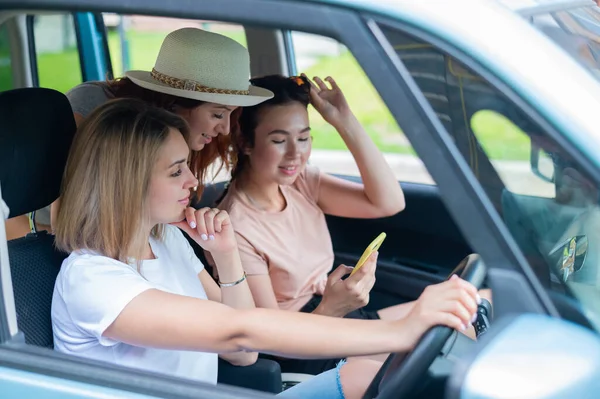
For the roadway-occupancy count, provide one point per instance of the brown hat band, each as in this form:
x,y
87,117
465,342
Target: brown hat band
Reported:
x,y
191,85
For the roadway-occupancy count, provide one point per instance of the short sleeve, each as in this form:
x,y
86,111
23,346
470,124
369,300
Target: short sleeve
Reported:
x,y
96,289
86,97
254,264
308,183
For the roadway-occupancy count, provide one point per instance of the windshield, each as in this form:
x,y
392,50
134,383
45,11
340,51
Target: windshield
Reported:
x,y
548,203
577,31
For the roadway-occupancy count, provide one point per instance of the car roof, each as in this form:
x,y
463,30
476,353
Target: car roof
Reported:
x,y
515,5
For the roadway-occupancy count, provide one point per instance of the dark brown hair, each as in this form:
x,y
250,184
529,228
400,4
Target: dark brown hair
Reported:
x,y
285,90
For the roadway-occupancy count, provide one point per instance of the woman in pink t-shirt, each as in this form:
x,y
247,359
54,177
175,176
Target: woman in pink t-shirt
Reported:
x,y
278,204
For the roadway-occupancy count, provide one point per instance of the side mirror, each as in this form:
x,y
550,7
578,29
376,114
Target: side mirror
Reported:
x,y
569,256
529,356
541,163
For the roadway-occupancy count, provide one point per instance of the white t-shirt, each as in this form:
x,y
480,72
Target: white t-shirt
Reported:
x,y
92,290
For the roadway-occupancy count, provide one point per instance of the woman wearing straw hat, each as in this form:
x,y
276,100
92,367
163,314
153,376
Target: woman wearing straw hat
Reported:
x,y
200,76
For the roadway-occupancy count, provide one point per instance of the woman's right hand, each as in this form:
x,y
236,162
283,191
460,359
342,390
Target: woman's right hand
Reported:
x,y
452,303
343,296
210,228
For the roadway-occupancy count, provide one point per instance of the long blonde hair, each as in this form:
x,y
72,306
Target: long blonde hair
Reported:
x,y
107,177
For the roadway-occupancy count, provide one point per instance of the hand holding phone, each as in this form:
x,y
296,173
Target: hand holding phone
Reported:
x,y
373,246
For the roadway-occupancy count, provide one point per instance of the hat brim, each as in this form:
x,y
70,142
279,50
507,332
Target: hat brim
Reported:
x,y
256,96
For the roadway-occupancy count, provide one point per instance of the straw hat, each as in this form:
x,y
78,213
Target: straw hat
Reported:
x,y
193,63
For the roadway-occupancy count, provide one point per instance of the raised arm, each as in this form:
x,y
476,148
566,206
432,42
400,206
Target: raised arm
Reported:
x,y
379,194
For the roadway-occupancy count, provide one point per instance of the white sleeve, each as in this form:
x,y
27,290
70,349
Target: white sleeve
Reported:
x,y
177,242
96,290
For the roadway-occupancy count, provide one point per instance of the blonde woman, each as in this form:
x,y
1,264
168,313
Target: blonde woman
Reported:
x,y
133,293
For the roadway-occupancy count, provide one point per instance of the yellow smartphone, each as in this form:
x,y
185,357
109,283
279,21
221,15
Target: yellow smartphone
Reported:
x,y
373,246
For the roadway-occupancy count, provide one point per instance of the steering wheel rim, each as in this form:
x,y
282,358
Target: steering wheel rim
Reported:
x,y
400,374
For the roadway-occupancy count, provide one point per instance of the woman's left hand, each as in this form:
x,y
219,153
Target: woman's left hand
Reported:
x,y
210,228
329,102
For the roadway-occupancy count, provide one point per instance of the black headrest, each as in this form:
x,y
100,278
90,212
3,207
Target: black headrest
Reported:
x,y
36,131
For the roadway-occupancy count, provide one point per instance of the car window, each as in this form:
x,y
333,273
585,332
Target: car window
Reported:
x,y
546,200
6,79
56,53
134,40
321,56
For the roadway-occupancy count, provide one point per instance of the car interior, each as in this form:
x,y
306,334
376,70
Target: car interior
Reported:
x,y
424,243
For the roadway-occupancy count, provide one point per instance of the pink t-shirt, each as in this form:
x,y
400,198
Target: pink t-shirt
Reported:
x,y
293,246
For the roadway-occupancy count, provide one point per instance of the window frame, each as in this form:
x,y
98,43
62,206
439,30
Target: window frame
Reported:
x,y
33,62
290,52
31,46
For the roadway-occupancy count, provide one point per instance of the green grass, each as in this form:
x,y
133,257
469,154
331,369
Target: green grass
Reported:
x,y
6,77
60,71
365,103
498,136
6,82
144,47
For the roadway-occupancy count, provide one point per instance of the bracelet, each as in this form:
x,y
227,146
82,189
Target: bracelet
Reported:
x,y
234,283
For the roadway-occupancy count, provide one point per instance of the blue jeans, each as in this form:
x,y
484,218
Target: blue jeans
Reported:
x,y
326,385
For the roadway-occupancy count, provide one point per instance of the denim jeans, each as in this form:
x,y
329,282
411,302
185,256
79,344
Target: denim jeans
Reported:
x,y
326,385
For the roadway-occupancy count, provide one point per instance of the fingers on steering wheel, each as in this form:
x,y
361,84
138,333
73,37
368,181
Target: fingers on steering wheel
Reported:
x,y
458,307
467,294
452,321
468,288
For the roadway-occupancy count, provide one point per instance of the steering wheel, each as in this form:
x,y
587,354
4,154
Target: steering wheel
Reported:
x,y
399,374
